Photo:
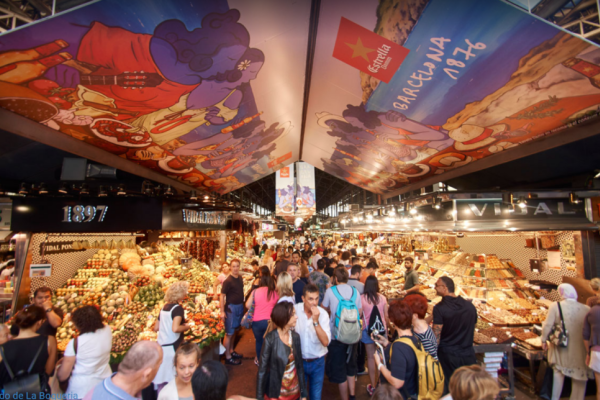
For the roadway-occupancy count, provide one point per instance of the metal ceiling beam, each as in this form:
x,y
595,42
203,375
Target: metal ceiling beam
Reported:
x,y
578,8
310,55
16,10
569,135
547,8
29,129
41,7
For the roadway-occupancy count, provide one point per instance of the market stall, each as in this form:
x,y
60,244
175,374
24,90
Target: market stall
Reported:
x,y
100,253
508,262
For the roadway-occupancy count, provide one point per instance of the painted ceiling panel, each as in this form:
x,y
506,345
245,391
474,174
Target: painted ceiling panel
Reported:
x,y
481,77
206,92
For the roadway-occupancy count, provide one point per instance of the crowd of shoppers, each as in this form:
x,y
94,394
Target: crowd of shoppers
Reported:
x,y
300,338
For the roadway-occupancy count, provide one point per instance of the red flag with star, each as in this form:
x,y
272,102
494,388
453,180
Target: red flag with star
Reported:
x,y
367,51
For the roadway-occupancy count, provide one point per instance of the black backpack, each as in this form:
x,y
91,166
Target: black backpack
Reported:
x,y
376,323
24,381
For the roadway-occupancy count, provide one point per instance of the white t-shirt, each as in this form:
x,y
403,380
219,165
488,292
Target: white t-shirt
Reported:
x,y
331,302
91,362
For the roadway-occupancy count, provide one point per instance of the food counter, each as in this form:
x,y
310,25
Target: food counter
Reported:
x,y
127,282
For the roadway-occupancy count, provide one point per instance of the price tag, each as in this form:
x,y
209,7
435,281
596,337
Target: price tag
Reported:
x,y
536,271
526,331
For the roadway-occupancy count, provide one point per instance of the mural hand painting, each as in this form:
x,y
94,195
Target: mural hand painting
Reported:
x,y
177,99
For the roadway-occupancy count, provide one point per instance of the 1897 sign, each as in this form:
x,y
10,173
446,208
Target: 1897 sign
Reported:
x,y
60,215
81,213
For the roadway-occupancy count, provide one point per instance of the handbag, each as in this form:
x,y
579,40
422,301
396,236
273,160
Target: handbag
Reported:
x,y
559,336
23,381
249,316
64,385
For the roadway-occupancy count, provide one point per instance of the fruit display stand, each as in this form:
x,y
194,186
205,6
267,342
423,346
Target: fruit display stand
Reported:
x,y
128,286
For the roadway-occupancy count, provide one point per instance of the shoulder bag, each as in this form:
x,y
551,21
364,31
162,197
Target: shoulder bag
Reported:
x,y
23,381
559,336
64,385
249,316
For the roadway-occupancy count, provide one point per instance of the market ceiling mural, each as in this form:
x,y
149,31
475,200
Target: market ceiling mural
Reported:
x,y
206,92
475,78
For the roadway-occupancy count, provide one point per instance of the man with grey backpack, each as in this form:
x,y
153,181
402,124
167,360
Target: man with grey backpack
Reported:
x,y
343,304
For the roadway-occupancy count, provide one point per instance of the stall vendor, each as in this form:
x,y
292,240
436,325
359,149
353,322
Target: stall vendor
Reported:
x,y
42,297
411,277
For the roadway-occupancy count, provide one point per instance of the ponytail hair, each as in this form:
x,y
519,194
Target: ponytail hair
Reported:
x,y
29,316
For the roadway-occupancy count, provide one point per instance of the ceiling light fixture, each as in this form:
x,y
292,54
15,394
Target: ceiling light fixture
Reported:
x,y
147,188
522,202
63,188
193,195
122,190
85,191
23,190
413,210
43,188
169,191
102,192
437,203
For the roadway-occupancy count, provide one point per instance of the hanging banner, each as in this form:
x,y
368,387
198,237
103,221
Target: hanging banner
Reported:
x,y
306,203
284,192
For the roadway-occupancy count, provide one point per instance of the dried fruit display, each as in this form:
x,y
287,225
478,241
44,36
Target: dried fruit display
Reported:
x,y
501,335
493,263
482,339
525,335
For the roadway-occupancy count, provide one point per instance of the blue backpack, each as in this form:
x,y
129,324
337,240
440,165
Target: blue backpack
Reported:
x,y
347,327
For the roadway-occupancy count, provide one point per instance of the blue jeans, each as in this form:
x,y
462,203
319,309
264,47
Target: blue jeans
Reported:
x,y
314,374
233,318
259,328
